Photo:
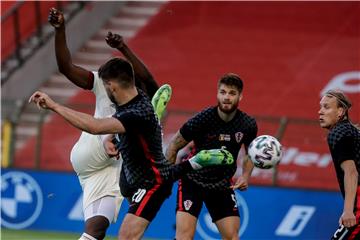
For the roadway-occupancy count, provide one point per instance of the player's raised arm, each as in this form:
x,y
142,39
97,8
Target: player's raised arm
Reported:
x,y
143,77
82,121
78,75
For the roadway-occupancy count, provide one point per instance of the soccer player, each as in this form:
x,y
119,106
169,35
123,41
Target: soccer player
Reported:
x,y
146,176
222,126
98,173
344,144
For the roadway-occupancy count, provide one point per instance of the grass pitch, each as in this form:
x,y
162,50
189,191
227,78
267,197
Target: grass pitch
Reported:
x,y
8,234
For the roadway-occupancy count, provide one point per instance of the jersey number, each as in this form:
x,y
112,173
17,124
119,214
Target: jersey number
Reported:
x,y
138,196
340,233
234,199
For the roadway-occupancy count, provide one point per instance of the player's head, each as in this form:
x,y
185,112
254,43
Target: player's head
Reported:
x,y
118,70
334,107
117,73
229,92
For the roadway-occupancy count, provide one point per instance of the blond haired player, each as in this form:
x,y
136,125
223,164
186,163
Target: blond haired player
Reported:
x,y
344,144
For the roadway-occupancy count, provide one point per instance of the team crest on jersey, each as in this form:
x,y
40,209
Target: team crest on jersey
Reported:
x,y
224,137
187,204
239,136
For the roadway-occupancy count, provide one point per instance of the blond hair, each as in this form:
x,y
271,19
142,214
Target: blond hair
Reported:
x,y
343,102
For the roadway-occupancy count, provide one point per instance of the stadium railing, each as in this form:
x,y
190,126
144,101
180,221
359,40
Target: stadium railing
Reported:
x,y
306,165
24,30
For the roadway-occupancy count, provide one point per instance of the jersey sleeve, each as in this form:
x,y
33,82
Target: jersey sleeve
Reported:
x,y
130,121
96,81
193,127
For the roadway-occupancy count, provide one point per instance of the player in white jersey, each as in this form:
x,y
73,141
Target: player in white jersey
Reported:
x,y
98,173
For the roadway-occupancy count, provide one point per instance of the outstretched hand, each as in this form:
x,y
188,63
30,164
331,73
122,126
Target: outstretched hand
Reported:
x,y
42,100
56,18
114,40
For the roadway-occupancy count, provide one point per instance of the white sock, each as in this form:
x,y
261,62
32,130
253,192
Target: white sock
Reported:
x,y
86,236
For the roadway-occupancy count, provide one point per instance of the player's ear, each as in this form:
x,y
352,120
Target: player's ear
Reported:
x,y
340,112
113,86
240,96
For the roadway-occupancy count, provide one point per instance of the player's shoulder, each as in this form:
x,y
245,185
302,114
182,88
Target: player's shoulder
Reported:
x,y
133,114
141,105
207,112
246,118
339,131
342,128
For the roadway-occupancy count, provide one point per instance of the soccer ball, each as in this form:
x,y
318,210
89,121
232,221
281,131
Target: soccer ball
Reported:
x,y
265,151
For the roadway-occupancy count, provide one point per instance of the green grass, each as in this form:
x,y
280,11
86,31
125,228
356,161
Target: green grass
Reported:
x,y
8,234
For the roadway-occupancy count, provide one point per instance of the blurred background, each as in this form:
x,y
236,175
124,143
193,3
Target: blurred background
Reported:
x,y
287,53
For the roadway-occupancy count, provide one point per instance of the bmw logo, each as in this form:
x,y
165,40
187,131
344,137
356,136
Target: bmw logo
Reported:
x,y
21,200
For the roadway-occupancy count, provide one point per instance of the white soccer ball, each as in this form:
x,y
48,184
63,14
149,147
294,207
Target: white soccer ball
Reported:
x,y
265,151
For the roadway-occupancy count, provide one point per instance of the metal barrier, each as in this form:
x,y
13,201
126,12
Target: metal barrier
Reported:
x,y
22,41
306,161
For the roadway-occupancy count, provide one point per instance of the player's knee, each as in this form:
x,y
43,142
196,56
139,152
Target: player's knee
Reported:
x,y
184,237
233,237
185,227
231,234
184,233
124,233
130,233
96,227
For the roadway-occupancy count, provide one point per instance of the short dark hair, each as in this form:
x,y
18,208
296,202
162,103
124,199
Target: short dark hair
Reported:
x,y
232,79
119,69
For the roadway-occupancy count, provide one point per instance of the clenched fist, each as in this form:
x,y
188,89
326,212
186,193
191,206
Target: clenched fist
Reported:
x,y
114,40
56,18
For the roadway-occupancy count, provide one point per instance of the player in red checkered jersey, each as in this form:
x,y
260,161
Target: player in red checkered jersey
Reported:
x,y
344,144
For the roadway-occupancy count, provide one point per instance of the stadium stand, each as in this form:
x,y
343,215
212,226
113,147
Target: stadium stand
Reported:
x,y
286,58
23,30
91,55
